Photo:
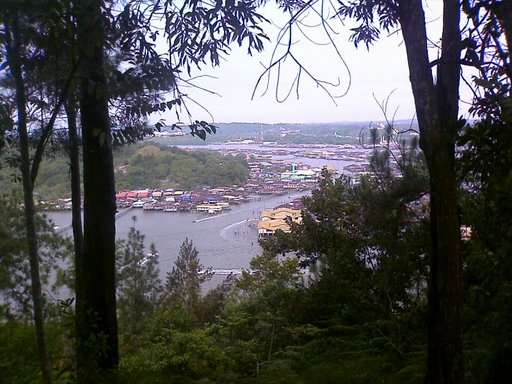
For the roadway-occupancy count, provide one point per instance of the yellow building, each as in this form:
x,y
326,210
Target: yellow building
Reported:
x,y
273,219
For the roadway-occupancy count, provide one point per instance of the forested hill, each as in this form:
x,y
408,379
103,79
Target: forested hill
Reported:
x,y
154,165
144,165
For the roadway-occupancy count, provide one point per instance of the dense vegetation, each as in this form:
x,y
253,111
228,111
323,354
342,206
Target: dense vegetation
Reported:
x,y
153,165
356,316
146,165
383,267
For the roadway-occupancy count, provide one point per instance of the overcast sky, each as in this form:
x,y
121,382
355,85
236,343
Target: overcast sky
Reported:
x,y
379,71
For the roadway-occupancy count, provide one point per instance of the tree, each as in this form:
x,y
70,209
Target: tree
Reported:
x,y
486,208
436,104
365,245
437,112
139,287
484,166
96,321
184,280
18,55
15,274
194,33
267,299
488,44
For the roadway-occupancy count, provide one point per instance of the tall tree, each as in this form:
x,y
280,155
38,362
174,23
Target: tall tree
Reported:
x,y
437,110
486,163
436,104
194,32
436,100
183,282
96,321
139,288
14,20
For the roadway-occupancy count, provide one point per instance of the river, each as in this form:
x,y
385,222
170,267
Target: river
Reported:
x,y
294,155
226,241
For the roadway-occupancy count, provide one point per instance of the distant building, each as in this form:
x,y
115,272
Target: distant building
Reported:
x,y
300,174
274,219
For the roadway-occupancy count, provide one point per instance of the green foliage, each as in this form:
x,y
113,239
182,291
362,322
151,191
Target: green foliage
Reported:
x,y
6,123
193,354
492,83
18,353
159,166
55,253
268,273
139,288
183,281
214,301
264,309
486,209
145,165
53,179
146,78
365,12
171,316
366,245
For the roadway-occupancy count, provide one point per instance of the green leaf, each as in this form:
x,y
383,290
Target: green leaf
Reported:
x,y
202,134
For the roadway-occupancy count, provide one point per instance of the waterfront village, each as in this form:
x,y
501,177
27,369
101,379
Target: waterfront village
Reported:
x,y
268,176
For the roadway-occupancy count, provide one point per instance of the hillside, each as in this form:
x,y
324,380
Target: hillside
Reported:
x,y
146,164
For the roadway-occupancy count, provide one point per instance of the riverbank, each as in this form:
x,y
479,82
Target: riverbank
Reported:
x,y
225,242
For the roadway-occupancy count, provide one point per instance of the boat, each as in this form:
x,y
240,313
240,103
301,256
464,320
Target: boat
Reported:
x,y
138,204
209,208
224,204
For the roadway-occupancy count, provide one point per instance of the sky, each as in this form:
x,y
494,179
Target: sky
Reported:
x,y
366,78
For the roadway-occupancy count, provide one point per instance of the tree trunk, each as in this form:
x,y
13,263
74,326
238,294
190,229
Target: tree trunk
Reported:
x,y
503,11
96,322
13,57
436,108
74,169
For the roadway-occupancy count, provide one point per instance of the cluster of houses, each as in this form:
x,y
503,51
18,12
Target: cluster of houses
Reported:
x,y
208,200
267,177
271,177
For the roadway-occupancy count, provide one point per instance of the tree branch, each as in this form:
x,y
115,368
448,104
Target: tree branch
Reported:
x,y
47,130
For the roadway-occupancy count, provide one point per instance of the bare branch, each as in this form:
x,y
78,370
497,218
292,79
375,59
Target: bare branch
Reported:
x,y
318,9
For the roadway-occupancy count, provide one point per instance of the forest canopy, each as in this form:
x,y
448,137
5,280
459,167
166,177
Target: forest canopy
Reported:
x,y
146,165
153,165
385,257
